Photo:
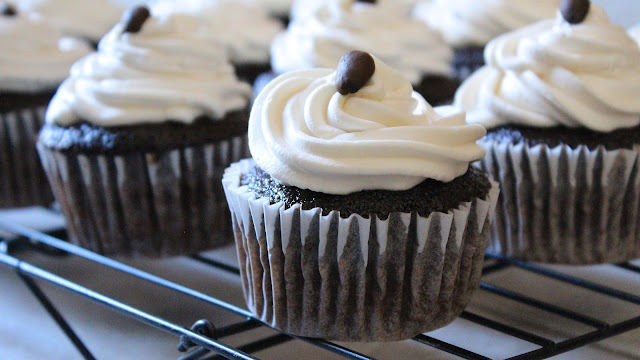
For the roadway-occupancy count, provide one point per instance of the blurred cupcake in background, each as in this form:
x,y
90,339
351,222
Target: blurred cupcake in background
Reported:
x,y
245,29
138,137
35,58
304,8
89,20
468,25
560,100
382,28
279,9
634,32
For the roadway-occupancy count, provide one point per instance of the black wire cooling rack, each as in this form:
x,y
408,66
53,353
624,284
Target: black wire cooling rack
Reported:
x,y
204,340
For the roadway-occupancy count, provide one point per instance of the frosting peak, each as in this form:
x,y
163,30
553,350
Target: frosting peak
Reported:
x,y
167,71
35,56
384,136
384,29
557,74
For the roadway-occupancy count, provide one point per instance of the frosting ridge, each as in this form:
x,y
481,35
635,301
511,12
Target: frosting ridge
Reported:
x,y
35,56
476,22
382,29
556,74
167,71
385,136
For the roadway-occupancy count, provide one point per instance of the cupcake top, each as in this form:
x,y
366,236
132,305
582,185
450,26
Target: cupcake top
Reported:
x,y
475,22
150,70
87,19
276,7
35,56
556,73
381,28
245,28
634,32
361,127
304,8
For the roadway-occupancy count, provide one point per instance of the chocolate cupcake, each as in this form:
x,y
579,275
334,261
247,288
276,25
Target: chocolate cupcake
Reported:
x,y
35,60
381,28
358,218
88,20
468,25
245,29
560,99
137,139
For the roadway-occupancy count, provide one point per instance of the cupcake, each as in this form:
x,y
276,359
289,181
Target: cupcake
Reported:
x,y
35,59
137,139
560,101
227,20
381,28
88,20
358,218
468,25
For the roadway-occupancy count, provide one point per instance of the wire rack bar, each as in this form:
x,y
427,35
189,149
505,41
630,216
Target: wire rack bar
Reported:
x,y
124,309
630,267
573,280
57,316
449,348
260,345
506,329
572,315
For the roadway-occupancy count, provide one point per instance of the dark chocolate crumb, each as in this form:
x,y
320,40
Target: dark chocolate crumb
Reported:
x,y
354,70
91,139
134,18
7,9
575,11
572,137
427,197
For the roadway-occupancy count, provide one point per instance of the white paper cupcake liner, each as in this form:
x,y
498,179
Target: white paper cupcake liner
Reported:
x,y
564,205
356,279
152,205
22,179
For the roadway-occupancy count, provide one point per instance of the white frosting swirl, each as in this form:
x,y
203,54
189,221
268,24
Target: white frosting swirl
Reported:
x,y
246,29
167,71
303,8
383,29
35,56
634,32
475,22
89,19
385,136
556,74
277,7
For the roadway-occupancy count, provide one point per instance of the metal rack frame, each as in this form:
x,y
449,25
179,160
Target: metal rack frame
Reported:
x,y
203,340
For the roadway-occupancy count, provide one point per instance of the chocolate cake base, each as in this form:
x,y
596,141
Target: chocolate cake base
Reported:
x,y
467,60
22,180
572,137
148,191
317,274
425,198
248,72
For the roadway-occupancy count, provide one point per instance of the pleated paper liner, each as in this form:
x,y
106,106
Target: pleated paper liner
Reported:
x,y
356,279
564,205
22,179
149,205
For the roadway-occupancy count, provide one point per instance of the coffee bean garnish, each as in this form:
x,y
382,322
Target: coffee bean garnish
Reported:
x,y
7,9
575,11
354,70
367,1
134,18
